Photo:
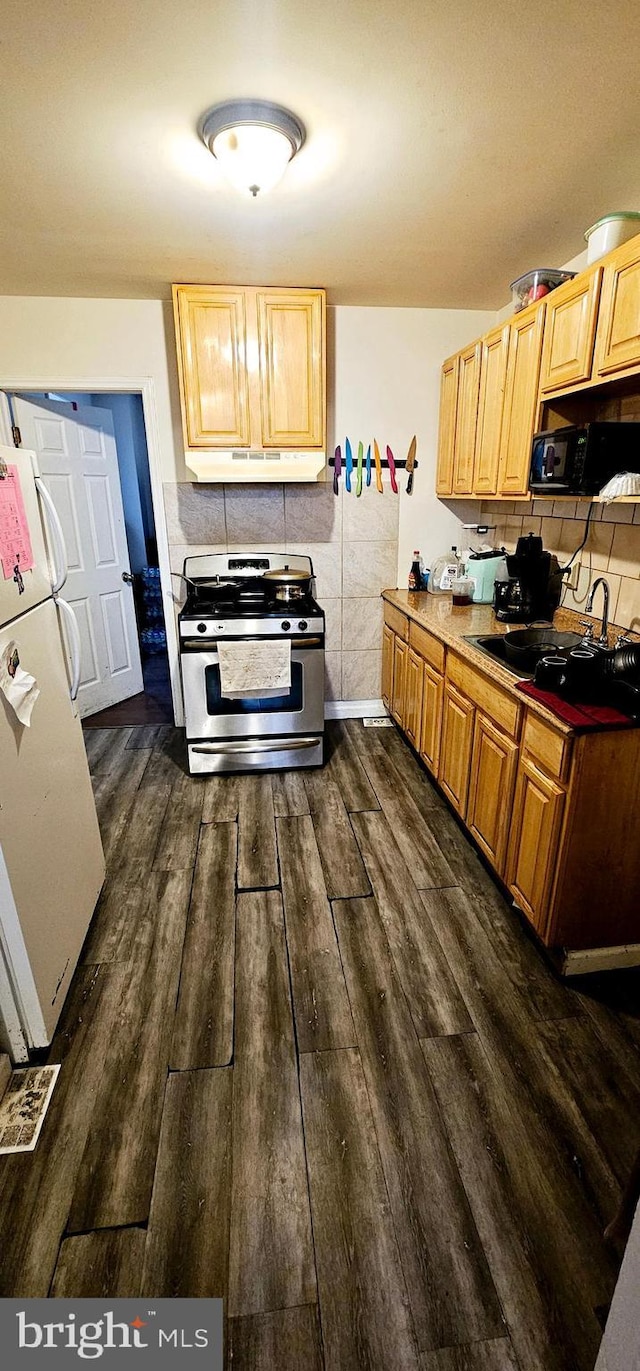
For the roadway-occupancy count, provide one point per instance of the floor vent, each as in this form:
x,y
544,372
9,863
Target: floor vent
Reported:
x,y
23,1107
381,721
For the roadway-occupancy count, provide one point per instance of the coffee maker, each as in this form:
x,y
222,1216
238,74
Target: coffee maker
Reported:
x,y
534,586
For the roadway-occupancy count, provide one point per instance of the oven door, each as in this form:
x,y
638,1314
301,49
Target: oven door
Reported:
x,y
208,714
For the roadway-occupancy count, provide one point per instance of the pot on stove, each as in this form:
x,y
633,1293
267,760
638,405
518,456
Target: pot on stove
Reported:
x,y
287,585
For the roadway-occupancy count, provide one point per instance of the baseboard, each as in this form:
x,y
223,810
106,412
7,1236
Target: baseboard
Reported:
x,y
353,709
5,1072
592,959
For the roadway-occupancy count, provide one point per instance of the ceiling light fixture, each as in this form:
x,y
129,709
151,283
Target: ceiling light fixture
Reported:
x,y
253,140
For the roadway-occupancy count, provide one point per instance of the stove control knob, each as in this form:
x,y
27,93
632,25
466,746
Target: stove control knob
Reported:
x,y
202,628
303,625
285,625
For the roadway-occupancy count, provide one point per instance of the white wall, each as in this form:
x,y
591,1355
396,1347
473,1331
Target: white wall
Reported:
x,y
387,385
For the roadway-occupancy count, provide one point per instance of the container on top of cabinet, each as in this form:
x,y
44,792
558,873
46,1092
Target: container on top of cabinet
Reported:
x,y
252,373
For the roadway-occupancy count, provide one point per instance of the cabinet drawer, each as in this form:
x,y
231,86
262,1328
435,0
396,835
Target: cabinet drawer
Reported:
x,y
396,621
491,699
552,750
429,647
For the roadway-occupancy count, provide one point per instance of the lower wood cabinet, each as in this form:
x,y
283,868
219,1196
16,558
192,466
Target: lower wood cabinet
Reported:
x,y
533,840
493,771
432,697
413,697
400,654
388,638
455,751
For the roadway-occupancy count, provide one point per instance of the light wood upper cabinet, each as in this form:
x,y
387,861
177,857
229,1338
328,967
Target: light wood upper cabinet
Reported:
x,y
291,330
432,696
569,332
212,356
493,770
493,372
413,697
533,840
618,335
455,750
466,419
521,399
251,365
446,435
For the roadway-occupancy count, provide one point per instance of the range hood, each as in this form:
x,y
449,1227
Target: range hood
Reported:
x,y
244,465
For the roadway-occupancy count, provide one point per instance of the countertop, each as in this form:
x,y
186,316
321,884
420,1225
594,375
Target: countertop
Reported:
x,y
452,624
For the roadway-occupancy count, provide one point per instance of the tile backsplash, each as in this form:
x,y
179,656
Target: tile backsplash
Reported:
x,y
352,542
612,548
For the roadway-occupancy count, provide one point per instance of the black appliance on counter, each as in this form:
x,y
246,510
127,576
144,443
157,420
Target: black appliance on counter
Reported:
x,y
534,586
580,461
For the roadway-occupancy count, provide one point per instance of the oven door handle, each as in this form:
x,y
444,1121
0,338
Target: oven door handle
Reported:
x,y
257,745
211,646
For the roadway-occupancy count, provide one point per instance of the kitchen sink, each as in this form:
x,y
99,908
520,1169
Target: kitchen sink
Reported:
x,y
492,644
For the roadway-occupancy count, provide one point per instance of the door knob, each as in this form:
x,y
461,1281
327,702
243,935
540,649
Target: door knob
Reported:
x,y
126,576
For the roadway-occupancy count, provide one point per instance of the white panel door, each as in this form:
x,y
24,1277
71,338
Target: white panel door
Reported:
x,y
76,453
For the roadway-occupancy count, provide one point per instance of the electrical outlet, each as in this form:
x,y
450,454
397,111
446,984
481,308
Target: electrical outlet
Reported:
x,y
571,580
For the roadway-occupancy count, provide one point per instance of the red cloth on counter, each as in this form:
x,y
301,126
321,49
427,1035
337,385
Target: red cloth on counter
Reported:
x,y
582,717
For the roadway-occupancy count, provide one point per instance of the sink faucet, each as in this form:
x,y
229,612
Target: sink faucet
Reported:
x,y
605,609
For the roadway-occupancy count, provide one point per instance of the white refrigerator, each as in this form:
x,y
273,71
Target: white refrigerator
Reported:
x,y
51,858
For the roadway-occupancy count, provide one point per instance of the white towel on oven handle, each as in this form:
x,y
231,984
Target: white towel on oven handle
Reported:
x,y
254,670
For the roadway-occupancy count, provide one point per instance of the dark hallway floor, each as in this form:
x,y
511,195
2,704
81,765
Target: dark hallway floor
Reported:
x,y
153,705
313,1063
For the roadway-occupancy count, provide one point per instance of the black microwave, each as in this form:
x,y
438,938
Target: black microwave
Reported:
x,y
580,461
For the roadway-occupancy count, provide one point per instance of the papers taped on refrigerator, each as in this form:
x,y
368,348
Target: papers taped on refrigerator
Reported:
x,y
19,688
16,553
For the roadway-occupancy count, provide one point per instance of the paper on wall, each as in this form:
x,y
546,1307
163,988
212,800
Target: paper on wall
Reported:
x,y
18,687
16,552
250,670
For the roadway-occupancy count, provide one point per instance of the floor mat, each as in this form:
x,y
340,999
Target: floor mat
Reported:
x,y
23,1107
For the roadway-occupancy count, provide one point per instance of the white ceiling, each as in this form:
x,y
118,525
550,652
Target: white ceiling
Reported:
x,y
450,146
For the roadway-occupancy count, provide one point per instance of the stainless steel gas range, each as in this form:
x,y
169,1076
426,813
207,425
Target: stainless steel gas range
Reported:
x,y
230,597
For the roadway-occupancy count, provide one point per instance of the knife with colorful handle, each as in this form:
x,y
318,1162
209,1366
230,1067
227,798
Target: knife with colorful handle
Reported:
x,y
410,463
368,465
392,470
349,467
376,453
337,468
359,469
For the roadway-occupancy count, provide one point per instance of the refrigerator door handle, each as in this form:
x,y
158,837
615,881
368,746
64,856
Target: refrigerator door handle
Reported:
x,y
61,561
74,644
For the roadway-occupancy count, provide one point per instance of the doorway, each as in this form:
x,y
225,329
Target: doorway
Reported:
x,y
92,450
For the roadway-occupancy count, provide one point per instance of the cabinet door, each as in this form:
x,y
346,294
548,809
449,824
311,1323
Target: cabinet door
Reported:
x,y
413,697
493,770
493,372
618,336
212,360
432,693
569,332
291,334
521,400
466,419
387,665
533,841
446,434
400,653
455,752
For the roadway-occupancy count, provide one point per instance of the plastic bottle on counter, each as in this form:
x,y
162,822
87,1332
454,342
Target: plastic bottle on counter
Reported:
x,y
415,574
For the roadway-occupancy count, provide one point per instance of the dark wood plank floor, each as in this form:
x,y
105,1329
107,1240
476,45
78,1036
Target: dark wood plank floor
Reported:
x,y
313,1063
